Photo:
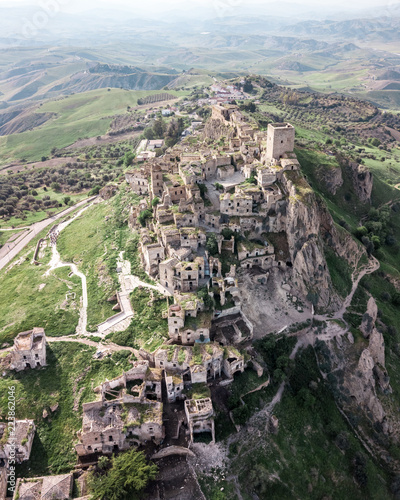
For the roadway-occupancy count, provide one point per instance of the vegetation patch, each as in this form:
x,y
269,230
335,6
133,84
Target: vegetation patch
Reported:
x,y
148,329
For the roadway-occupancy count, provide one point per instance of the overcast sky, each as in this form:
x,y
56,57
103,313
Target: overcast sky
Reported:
x,y
180,10
165,4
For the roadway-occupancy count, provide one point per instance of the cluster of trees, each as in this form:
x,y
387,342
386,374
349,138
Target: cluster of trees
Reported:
x,y
123,477
378,231
170,131
19,192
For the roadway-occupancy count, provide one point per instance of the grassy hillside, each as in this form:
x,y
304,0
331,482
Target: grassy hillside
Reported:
x,y
29,298
79,116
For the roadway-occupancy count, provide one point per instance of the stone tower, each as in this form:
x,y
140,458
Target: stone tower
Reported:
x,y
157,183
280,140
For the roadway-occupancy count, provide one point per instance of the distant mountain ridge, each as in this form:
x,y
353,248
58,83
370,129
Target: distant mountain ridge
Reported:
x,y
383,28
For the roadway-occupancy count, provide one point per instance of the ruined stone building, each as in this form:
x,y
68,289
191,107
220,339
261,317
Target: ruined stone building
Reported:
x,y
127,412
19,439
187,321
29,350
119,424
139,384
44,488
200,417
175,386
138,180
196,364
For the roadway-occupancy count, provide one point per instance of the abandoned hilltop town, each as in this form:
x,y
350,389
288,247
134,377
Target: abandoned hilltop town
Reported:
x,y
236,187
205,344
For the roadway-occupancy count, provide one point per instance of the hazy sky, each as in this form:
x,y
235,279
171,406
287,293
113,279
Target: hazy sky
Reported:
x,y
164,5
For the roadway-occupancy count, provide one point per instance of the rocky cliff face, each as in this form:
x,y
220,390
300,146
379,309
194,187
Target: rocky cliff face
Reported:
x,y
303,223
362,181
365,373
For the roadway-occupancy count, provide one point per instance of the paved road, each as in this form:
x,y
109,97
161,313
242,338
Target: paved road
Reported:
x,y
11,250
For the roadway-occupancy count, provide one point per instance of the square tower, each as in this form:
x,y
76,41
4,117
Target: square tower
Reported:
x,y
29,350
280,140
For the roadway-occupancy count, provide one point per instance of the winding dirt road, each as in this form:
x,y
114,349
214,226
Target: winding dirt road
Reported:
x,y
9,251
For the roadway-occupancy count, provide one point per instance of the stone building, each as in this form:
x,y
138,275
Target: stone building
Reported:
x,y
157,182
200,417
265,175
116,425
280,140
18,439
175,386
253,252
29,350
187,323
188,274
152,255
138,181
44,488
167,273
196,364
233,362
236,204
193,237
140,383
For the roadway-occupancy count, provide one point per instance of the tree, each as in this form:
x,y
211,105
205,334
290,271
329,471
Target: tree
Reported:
x,y
67,199
155,201
143,216
248,86
128,158
127,478
103,463
159,128
55,186
376,241
94,191
361,231
212,244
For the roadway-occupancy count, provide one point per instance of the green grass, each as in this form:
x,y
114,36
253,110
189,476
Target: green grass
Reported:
x,y
148,329
6,235
340,272
82,115
93,242
89,242
24,306
68,379
32,217
59,196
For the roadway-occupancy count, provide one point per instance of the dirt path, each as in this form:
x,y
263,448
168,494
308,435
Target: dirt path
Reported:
x,y
118,322
56,263
91,343
259,388
129,283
